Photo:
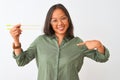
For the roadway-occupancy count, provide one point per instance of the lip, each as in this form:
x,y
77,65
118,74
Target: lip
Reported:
x,y
60,28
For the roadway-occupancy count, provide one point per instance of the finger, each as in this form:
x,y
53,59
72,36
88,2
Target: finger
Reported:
x,y
17,26
80,44
15,32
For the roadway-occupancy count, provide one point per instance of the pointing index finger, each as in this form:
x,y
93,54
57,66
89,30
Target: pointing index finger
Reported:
x,y
80,44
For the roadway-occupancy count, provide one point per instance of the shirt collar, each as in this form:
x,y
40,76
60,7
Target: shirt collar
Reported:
x,y
65,38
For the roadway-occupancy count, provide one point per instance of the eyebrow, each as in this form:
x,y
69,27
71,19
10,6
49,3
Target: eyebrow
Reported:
x,y
61,16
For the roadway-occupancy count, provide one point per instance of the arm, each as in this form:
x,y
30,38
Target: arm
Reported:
x,y
15,33
22,57
96,50
94,44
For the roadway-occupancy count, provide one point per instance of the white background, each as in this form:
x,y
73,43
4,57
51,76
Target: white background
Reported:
x,y
92,19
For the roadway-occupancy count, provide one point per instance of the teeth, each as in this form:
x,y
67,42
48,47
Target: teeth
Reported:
x,y
60,28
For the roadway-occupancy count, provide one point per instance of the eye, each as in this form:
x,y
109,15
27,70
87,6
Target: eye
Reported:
x,y
53,20
64,18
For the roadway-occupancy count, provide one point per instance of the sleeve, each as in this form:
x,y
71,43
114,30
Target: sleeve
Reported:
x,y
26,56
97,56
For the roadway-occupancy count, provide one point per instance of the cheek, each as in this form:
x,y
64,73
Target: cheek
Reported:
x,y
67,25
53,27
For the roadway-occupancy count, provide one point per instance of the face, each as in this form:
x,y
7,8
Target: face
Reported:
x,y
59,22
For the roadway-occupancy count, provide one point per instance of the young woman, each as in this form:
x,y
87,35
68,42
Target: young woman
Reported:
x,y
59,55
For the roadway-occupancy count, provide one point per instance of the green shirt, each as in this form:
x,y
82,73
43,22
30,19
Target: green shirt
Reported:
x,y
58,62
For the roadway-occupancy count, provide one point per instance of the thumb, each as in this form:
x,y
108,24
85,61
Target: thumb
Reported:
x,y
18,25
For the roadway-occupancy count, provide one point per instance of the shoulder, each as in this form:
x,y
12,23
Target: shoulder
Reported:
x,y
78,39
40,37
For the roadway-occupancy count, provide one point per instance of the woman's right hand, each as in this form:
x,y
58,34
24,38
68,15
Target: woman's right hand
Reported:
x,y
15,32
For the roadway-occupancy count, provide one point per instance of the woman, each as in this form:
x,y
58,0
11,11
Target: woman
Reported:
x,y
59,55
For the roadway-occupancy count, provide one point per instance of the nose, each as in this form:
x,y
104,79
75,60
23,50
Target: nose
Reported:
x,y
60,22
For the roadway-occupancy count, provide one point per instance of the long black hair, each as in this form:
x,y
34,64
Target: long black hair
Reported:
x,y
47,26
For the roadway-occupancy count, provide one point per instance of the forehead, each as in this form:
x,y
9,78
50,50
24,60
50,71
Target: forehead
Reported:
x,y
58,13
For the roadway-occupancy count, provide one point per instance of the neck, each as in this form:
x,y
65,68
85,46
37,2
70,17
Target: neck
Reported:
x,y
60,38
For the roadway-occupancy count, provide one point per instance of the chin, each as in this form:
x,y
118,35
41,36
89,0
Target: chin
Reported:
x,y
61,32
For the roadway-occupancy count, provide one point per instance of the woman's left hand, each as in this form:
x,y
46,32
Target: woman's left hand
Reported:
x,y
94,44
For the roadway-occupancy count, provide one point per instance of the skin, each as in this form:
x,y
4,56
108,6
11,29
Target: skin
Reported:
x,y
60,24
15,33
